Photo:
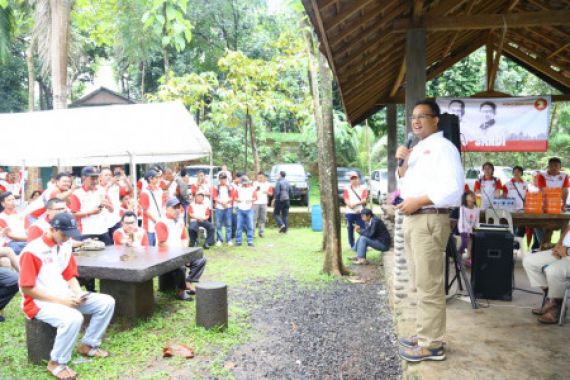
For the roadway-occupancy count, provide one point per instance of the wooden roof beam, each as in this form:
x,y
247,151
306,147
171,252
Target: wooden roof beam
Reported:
x,y
558,51
325,3
370,15
354,7
539,65
452,40
485,21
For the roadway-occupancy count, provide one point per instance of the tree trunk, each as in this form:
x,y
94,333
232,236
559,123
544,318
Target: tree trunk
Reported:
x,y
322,107
245,143
164,48
143,74
316,97
31,76
60,14
327,161
254,153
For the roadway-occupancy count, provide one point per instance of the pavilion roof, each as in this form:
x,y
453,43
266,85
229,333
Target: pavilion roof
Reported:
x,y
364,41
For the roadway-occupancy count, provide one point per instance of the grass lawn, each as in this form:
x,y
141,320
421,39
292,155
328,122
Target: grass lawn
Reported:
x,y
136,351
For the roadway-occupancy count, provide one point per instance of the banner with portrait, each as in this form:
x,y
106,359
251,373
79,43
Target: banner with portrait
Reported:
x,y
501,124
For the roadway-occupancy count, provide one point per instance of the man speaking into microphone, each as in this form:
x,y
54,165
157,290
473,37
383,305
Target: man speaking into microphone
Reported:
x,y
431,180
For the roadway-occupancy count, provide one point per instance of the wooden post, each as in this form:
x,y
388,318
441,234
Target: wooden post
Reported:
x,y
415,69
391,122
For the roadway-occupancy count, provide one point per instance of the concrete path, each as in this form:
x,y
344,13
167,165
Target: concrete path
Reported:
x,y
502,341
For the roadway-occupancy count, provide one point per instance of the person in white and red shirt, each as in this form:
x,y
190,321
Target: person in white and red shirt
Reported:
x,y
63,189
52,295
111,185
42,225
354,197
171,232
516,188
488,186
199,213
13,224
129,234
152,204
223,196
554,178
246,195
264,190
202,185
11,184
87,204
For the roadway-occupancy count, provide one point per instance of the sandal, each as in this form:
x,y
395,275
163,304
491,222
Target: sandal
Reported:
x,y
57,372
94,352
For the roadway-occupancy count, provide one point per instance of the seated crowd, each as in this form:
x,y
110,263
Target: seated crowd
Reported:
x,y
36,241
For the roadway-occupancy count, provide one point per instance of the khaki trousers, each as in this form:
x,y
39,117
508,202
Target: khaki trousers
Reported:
x,y
547,271
426,238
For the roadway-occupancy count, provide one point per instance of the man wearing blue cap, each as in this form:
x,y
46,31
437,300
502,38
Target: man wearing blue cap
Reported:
x,y
52,294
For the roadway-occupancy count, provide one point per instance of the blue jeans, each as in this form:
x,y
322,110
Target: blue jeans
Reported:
x,y
363,242
17,246
151,239
351,219
224,219
244,219
68,322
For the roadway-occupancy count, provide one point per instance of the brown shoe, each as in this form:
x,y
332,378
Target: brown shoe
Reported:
x,y
552,314
541,310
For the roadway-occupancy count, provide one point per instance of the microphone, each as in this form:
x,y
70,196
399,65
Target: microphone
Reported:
x,y
408,145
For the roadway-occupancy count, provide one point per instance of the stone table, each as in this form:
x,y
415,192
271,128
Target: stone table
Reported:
x,y
126,273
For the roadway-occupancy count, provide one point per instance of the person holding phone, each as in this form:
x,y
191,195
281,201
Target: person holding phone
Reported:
x,y
48,282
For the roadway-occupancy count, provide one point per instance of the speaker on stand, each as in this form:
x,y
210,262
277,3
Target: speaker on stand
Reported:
x,y
492,264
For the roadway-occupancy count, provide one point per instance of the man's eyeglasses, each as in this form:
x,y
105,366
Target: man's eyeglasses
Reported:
x,y
133,222
421,117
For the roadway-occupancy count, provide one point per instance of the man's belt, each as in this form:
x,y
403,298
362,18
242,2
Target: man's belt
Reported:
x,y
431,210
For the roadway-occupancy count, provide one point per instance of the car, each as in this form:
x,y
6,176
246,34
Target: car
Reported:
x,y
297,178
379,185
504,173
343,178
193,170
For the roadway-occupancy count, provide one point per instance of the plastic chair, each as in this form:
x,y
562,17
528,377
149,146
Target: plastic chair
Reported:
x,y
494,216
564,302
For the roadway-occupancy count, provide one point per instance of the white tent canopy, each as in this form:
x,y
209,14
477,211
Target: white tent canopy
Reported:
x,y
160,132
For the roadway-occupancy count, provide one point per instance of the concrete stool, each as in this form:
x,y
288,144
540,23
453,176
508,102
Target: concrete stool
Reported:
x,y
212,305
39,339
166,282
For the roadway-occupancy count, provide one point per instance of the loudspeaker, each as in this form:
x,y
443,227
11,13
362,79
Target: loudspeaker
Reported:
x,y
492,265
449,124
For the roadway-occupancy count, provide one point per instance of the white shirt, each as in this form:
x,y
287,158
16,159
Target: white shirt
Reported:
x,y
517,190
262,198
435,170
245,197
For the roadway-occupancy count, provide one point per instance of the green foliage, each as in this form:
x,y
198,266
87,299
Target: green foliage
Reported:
x,y
167,19
13,81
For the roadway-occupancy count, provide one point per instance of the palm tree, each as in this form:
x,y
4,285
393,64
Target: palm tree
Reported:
x,y
7,28
51,35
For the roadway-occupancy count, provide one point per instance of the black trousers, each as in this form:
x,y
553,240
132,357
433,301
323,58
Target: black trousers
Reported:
x,y
281,213
194,229
8,286
196,268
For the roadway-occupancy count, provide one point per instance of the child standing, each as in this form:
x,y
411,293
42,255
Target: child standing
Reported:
x,y
469,216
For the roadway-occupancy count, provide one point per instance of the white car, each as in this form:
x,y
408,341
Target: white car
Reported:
x,y
379,185
504,173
